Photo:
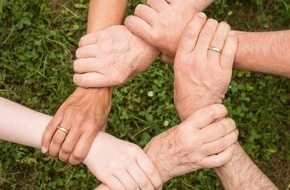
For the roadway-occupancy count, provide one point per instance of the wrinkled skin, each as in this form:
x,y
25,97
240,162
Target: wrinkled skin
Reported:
x,y
111,57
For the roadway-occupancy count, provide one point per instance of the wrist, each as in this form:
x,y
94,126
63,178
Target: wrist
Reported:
x,y
188,105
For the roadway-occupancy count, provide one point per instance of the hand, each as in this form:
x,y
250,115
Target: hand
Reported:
x,y
83,115
161,23
111,57
195,143
121,165
202,75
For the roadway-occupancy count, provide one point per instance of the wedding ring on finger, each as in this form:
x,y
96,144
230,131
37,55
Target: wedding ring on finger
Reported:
x,y
62,129
215,49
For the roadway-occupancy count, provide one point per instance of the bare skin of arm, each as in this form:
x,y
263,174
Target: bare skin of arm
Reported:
x,y
242,173
266,52
85,112
190,72
121,164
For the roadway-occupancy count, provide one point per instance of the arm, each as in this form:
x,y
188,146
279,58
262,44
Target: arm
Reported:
x,y
240,172
103,14
85,112
152,20
115,42
118,159
266,52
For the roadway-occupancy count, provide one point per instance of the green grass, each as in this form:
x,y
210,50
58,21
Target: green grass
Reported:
x,y
37,44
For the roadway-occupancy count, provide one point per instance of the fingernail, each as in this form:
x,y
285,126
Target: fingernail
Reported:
x,y
201,15
44,150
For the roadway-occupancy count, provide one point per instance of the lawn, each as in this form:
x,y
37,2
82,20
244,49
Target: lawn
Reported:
x,y
38,39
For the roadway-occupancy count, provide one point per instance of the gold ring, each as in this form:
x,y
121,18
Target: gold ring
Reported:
x,y
215,49
62,129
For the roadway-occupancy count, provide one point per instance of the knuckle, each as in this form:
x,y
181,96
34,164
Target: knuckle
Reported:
x,y
53,152
118,79
156,36
231,123
143,182
57,140
221,129
78,156
134,150
66,149
80,117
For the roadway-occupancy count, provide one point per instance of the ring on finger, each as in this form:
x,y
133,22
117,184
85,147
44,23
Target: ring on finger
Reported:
x,y
215,49
62,129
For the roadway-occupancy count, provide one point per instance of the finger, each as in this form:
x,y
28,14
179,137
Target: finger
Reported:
x,y
218,159
140,177
49,131
206,35
92,80
85,65
113,183
158,5
139,27
59,136
89,39
102,187
149,170
190,34
82,148
221,144
167,59
217,130
87,51
146,13
229,51
127,180
204,116
69,144
218,41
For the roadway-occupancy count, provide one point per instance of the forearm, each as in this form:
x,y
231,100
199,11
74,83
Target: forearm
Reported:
x,y
242,173
21,125
104,13
266,52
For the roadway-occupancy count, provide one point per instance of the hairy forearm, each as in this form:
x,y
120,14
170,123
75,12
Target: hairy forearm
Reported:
x,y
266,52
104,13
242,173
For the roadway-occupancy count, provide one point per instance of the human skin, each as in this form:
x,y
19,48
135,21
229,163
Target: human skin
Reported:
x,y
173,152
119,164
116,47
92,67
240,172
194,144
118,158
265,52
85,112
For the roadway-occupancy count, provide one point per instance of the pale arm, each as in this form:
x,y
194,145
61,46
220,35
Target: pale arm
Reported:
x,y
22,125
266,52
